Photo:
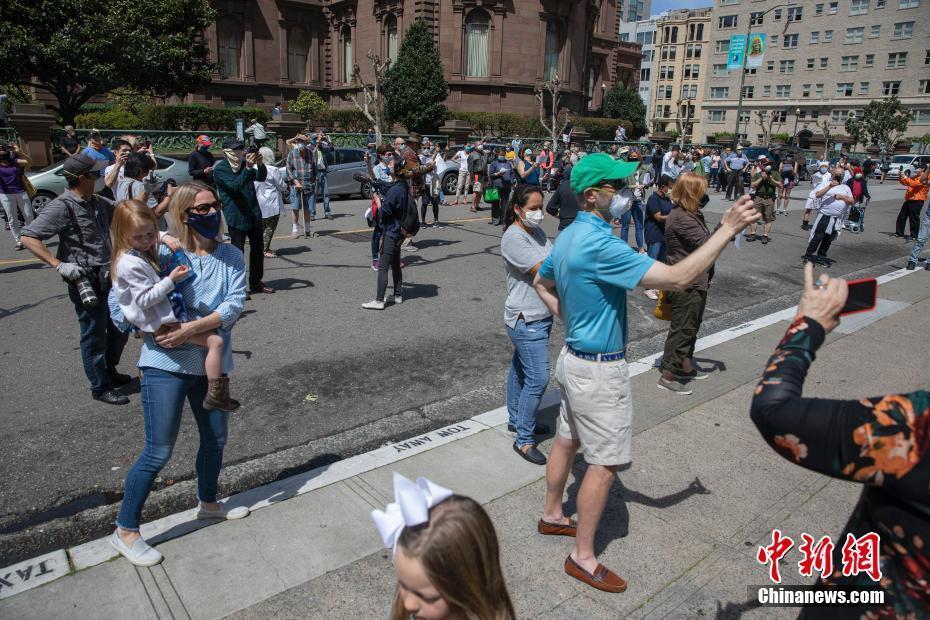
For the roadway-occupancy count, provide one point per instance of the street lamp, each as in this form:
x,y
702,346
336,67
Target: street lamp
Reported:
x,y
742,80
797,115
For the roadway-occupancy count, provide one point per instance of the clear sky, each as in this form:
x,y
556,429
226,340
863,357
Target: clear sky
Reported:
x,y
664,5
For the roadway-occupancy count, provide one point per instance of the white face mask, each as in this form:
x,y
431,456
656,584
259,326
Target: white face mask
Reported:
x,y
533,218
619,205
823,170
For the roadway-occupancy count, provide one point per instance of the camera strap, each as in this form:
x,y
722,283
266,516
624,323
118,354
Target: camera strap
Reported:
x,y
80,234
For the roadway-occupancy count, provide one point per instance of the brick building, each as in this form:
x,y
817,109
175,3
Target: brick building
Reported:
x,y
493,51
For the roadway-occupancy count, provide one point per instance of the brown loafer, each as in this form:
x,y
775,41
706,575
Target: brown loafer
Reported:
x,y
557,529
602,579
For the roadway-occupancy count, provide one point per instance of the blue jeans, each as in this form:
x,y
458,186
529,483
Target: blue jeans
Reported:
x,y
921,236
529,375
636,213
656,250
322,190
163,395
101,342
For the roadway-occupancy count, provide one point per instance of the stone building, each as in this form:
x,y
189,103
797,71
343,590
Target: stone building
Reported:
x,y
643,33
825,60
493,51
679,70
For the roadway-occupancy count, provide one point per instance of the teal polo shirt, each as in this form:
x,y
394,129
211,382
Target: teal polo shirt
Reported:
x,y
593,270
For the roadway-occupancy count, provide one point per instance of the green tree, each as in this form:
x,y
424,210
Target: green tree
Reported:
x,y
78,49
414,88
626,104
923,141
882,123
308,106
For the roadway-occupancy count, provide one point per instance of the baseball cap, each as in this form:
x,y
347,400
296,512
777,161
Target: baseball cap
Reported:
x,y
762,158
81,164
597,167
624,150
739,148
205,140
233,144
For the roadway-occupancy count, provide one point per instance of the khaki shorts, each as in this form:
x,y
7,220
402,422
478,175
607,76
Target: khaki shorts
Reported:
x,y
766,207
597,408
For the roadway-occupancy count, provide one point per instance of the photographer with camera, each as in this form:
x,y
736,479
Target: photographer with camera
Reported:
x,y
81,220
13,195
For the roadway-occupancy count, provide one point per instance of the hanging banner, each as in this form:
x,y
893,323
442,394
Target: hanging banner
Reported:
x,y
736,51
757,45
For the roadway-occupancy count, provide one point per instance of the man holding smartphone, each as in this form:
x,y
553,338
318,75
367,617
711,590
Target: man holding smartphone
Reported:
x,y
835,199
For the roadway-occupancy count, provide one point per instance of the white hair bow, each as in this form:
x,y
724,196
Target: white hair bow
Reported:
x,y
411,508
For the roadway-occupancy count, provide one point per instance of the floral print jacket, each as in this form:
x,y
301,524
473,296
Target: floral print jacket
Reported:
x,y
883,443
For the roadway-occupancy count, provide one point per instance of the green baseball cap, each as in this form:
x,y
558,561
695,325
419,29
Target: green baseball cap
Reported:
x,y
597,167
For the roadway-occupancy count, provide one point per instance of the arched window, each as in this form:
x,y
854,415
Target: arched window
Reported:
x,y
345,37
229,47
477,31
297,54
553,48
390,37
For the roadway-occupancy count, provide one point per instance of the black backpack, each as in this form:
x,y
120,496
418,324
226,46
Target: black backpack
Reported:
x,y
410,220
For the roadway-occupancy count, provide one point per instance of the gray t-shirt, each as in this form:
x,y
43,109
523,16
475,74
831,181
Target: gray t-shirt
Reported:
x,y
521,252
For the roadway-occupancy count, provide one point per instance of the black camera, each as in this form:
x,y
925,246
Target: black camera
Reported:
x,y
252,149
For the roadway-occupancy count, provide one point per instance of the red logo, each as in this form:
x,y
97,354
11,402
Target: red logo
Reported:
x,y
817,557
860,555
773,553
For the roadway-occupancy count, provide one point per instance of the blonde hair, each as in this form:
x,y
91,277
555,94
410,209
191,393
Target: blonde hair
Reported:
x,y
459,553
127,215
182,199
688,190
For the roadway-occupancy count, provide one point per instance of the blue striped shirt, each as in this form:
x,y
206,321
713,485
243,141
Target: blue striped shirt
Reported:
x,y
219,286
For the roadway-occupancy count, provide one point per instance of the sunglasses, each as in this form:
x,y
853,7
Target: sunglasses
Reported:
x,y
204,208
614,184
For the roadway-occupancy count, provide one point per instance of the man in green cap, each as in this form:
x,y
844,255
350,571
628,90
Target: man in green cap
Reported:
x,y
584,281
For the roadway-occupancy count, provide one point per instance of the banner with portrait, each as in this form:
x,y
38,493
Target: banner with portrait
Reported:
x,y
756,51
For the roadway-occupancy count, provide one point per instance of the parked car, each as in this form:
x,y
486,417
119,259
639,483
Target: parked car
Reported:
x,y
49,181
450,177
343,164
902,163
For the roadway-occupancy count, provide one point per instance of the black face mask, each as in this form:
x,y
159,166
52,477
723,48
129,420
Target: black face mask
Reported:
x,y
704,200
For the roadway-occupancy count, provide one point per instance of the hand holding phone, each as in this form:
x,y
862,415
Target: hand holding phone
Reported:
x,y
862,297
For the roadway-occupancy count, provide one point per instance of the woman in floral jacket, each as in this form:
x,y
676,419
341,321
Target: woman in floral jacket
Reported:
x,y
882,442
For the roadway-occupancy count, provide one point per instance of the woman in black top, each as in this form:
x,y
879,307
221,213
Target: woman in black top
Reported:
x,y
881,442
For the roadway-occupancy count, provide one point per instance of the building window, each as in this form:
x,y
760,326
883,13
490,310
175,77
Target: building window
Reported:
x,y
844,89
869,60
744,116
828,36
726,21
720,70
786,66
229,47
794,13
773,40
923,87
689,91
824,62
897,60
644,74
818,92
849,63
891,88
781,116
839,116
904,30
818,10
815,37
748,92
721,47
908,4
297,49
777,16
348,60
674,34
767,90
927,59
863,88
791,41
477,29
783,91
875,31
854,35
719,92
810,63
693,51
832,9
390,37
859,7
879,4
770,65
756,18
648,55
553,48
806,90
717,116
921,117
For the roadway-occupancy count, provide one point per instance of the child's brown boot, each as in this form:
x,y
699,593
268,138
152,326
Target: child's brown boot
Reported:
x,y
218,395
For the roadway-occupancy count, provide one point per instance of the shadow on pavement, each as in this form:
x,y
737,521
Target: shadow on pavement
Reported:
x,y
420,291
289,284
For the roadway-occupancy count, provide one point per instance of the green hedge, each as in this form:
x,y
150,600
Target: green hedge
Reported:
x,y
505,124
348,121
179,117
108,119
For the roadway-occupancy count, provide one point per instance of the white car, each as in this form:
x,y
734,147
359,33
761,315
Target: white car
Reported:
x,y
903,163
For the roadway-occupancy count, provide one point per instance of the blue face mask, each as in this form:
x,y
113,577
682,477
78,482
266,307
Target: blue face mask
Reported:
x,y
207,226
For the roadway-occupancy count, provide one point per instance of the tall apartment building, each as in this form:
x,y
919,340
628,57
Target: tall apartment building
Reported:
x,y
679,70
635,10
643,32
826,60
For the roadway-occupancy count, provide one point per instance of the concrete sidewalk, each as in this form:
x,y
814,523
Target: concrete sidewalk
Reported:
x,y
682,524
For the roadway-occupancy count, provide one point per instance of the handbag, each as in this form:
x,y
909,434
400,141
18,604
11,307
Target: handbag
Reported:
x,y
492,194
663,309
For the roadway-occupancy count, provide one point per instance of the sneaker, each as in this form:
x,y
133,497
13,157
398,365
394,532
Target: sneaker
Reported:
x,y
375,264
140,554
911,265
374,304
765,239
805,226
224,512
694,375
673,386
410,248
295,234
652,293
750,238
308,233
438,225
394,299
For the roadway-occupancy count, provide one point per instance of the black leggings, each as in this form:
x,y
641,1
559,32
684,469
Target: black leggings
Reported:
x,y
256,239
427,199
820,242
910,213
390,259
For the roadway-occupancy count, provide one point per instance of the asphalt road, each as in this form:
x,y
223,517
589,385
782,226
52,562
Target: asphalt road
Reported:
x,y
319,377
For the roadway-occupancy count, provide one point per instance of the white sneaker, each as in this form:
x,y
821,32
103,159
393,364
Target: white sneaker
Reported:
x,y
394,299
140,554
227,513
374,304
295,234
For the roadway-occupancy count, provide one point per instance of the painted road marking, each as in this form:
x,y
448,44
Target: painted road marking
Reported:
x,y
32,573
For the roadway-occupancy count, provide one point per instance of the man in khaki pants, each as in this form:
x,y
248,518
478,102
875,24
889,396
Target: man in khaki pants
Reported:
x,y
584,281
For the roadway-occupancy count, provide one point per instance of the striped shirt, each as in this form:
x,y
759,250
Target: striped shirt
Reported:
x,y
219,286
